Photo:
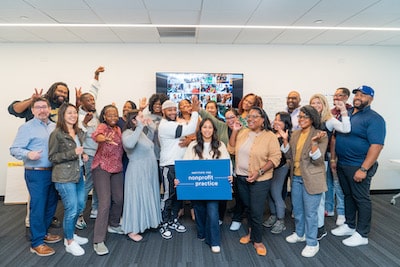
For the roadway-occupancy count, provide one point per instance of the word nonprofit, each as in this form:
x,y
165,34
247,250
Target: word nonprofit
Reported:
x,y
202,178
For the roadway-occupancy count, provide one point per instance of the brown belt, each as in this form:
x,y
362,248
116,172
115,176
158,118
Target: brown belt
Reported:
x,y
38,168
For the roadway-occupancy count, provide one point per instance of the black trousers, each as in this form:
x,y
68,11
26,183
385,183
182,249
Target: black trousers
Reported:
x,y
357,201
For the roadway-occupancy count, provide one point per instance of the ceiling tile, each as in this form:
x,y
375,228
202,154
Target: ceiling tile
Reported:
x,y
56,35
173,5
138,35
217,36
256,36
98,35
333,13
295,37
280,13
332,37
174,17
371,38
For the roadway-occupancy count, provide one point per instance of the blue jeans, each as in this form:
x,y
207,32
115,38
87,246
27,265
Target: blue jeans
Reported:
x,y
305,208
206,212
276,203
73,198
334,189
254,196
89,184
43,203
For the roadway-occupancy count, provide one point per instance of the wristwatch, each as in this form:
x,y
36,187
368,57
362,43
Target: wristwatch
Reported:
x,y
363,169
261,172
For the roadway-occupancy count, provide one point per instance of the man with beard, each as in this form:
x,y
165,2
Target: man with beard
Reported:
x,y
170,133
57,94
357,153
293,107
88,122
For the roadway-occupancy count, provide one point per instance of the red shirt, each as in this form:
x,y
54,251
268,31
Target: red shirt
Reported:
x,y
108,156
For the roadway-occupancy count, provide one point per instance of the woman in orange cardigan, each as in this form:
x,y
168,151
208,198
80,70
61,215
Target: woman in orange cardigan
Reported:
x,y
257,153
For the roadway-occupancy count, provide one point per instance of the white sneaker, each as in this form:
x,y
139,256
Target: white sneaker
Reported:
x,y
341,219
80,240
215,249
74,248
343,230
310,251
294,238
93,214
115,230
235,226
355,240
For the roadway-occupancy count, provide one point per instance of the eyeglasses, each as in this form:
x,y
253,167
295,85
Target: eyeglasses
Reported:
x,y
254,116
300,117
40,107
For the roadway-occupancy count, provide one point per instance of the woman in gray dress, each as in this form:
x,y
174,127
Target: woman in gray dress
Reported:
x,y
142,194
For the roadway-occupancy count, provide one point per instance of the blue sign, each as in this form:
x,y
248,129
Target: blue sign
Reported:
x,y
203,179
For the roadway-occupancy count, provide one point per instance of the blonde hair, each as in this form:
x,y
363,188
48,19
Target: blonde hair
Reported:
x,y
326,112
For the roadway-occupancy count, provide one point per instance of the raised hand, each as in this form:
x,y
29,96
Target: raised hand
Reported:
x,y
143,103
195,103
78,92
37,94
237,126
99,69
318,136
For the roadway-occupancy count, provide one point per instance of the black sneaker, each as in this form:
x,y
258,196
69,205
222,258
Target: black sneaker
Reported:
x,y
321,233
55,223
175,225
165,232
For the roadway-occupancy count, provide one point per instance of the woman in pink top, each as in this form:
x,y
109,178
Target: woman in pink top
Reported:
x,y
108,177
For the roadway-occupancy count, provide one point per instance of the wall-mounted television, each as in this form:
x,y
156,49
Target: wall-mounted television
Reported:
x,y
226,88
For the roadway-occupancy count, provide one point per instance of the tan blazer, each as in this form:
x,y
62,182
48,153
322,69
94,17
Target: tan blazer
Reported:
x,y
313,172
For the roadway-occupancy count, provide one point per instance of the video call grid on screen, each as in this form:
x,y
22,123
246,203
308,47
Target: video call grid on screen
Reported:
x,y
224,88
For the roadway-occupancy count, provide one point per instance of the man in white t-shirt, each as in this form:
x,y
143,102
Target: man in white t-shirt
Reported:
x,y
170,133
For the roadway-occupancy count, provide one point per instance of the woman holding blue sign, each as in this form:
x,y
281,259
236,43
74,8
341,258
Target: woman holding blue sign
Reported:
x,y
257,153
207,146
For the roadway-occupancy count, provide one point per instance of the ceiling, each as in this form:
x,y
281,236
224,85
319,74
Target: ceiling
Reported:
x,y
138,20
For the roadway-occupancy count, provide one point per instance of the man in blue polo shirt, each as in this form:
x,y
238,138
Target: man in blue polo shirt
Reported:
x,y
357,155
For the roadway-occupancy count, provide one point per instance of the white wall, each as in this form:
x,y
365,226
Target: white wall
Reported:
x,y
268,70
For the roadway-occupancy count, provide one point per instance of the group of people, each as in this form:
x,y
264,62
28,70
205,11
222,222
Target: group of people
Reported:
x,y
128,163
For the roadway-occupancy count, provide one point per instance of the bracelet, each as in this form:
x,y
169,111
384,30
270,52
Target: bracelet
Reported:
x,y
332,160
314,144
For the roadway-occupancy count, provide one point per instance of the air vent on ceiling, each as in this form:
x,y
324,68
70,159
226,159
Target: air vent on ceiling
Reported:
x,y
175,32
